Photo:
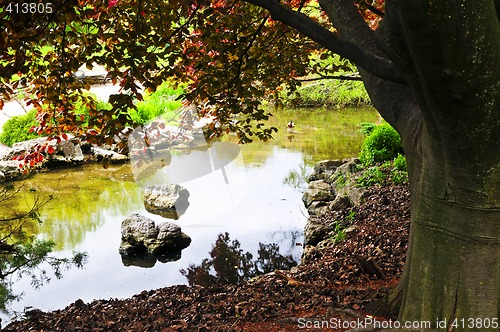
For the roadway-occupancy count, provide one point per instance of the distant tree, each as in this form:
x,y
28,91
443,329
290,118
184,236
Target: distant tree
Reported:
x,y
430,70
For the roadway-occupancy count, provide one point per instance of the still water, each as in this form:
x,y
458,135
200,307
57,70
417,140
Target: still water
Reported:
x,y
257,202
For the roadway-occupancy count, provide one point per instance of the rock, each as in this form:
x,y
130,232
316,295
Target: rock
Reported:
x,y
71,150
66,152
169,201
345,170
147,260
317,208
98,154
141,236
323,169
10,170
25,146
314,233
355,194
339,203
346,186
318,191
4,151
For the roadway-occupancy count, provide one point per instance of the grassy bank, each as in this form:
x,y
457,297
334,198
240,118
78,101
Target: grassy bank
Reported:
x,y
332,93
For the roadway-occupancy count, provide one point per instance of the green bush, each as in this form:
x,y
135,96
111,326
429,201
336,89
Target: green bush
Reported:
x,y
399,163
391,171
17,128
161,102
82,109
367,127
382,144
372,176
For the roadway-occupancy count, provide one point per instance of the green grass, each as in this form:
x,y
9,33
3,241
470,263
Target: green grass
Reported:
x,y
333,93
392,171
163,102
17,128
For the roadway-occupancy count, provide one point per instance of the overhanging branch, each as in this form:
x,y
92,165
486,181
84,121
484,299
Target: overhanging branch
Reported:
x,y
372,63
329,77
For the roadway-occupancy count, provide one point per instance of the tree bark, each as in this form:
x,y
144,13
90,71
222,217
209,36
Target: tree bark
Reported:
x,y
447,110
453,265
447,115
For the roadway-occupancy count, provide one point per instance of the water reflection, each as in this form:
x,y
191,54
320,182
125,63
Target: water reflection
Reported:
x,y
229,264
21,252
90,204
148,260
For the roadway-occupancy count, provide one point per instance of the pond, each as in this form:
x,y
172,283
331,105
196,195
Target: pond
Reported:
x,y
257,202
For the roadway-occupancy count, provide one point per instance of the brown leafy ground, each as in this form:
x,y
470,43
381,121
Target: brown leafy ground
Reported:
x,y
332,286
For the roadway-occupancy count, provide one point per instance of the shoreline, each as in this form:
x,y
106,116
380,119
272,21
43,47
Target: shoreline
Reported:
x,y
330,282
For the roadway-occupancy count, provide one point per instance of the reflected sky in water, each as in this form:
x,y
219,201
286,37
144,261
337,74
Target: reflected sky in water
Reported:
x,y
254,206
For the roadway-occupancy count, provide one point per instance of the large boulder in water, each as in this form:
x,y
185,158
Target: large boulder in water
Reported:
x,y
169,201
140,235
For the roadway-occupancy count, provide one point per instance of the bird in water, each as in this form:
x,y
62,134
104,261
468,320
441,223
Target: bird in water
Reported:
x,y
105,161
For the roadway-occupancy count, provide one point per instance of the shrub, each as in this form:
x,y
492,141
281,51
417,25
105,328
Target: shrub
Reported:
x,y
372,176
161,102
399,173
367,127
383,143
400,163
17,128
391,171
82,109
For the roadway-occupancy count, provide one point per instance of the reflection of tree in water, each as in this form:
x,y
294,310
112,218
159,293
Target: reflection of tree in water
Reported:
x,y
230,265
21,252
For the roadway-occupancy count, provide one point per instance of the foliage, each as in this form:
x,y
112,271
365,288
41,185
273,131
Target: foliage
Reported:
x,y
17,129
339,233
22,253
230,265
331,93
371,176
161,102
367,127
383,143
341,180
20,127
394,171
229,55
381,156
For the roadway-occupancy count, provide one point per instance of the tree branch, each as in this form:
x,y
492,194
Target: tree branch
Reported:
x,y
328,77
386,96
371,62
373,9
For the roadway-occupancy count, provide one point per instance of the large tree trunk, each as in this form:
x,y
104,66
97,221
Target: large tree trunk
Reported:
x,y
448,117
453,267
448,50
443,97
